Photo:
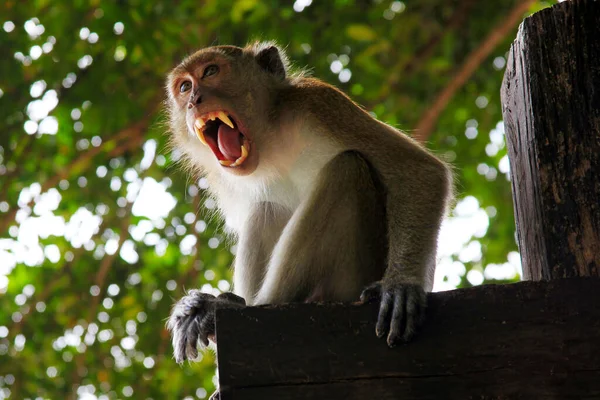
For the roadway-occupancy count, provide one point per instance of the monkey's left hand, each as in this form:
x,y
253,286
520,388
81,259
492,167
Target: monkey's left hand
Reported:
x,y
401,310
193,319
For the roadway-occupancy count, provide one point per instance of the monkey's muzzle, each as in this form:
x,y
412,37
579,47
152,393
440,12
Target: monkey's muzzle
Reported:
x,y
220,133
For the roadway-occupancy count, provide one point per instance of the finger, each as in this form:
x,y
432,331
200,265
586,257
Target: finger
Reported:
x,y
421,306
398,314
370,294
203,337
182,344
190,339
384,311
417,303
184,339
178,346
413,316
180,356
206,327
232,298
191,348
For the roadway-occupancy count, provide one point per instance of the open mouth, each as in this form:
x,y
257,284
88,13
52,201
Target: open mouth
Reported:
x,y
220,133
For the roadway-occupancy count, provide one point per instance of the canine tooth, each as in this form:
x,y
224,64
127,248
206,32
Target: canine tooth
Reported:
x,y
212,116
225,119
239,161
242,158
200,135
199,123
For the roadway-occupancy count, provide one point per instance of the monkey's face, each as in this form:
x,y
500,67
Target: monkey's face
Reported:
x,y
219,100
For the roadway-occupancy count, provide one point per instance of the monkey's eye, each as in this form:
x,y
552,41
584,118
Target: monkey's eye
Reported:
x,y
185,86
210,70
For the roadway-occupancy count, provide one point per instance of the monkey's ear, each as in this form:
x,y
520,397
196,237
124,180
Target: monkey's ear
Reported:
x,y
271,61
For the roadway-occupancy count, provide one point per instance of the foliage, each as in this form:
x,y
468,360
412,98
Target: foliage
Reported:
x,y
90,265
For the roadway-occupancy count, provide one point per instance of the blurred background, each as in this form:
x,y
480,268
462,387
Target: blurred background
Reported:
x,y
100,231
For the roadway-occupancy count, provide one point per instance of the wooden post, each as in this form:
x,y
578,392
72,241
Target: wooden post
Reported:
x,y
551,108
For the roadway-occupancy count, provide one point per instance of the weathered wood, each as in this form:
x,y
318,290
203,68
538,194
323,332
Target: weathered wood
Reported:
x,y
551,108
528,340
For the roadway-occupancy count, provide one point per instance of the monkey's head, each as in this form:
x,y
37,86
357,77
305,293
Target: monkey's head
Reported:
x,y
220,104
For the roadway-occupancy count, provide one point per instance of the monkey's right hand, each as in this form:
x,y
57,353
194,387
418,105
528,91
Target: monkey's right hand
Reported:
x,y
192,320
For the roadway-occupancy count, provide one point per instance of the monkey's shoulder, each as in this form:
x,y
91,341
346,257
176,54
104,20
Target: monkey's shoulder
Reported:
x,y
316,94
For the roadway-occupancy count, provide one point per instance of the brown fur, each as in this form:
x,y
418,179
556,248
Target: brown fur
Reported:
x,y
329,200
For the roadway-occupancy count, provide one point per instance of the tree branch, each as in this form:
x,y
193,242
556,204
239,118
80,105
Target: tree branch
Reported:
x,y
404,67
455,21
428,121
23,150
126,135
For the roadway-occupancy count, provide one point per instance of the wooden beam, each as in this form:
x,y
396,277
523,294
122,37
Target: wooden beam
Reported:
x,y
551,108
526,340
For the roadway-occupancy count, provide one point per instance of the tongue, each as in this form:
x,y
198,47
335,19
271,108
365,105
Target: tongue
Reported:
x,y
229,142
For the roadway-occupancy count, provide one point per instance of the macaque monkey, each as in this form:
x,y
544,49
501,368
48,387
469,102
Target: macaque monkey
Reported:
x,y
326,202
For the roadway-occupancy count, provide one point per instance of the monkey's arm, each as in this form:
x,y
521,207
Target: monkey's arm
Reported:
x,y
192,319
418,189
255,244
334,244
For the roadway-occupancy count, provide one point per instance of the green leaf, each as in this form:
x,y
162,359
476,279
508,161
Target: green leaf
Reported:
x,y
361,32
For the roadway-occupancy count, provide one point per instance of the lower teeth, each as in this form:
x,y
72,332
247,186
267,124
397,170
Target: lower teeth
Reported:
x,y
241,159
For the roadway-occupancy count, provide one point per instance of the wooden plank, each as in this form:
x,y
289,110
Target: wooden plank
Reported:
x,y
539,339
551,108
497,384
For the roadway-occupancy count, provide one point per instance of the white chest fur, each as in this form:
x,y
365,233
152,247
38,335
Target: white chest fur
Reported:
x,y
286,180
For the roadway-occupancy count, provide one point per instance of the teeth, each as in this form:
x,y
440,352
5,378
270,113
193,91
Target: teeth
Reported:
x,y
199,123
198,127
200,135
242,158
223,117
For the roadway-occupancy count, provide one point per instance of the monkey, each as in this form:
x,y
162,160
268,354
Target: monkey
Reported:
x,y
326,202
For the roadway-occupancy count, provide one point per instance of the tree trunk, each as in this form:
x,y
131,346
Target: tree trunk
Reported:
x,y
551,108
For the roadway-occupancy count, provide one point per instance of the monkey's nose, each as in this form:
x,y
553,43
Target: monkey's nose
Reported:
x,y
195,99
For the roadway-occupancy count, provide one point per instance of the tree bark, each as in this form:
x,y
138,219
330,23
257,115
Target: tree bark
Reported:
x,y
529,340
551,107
